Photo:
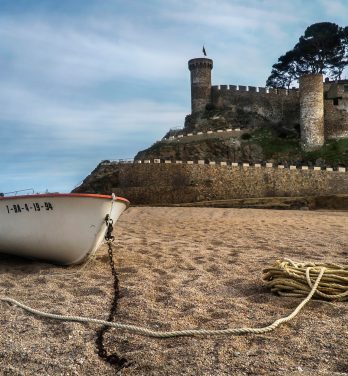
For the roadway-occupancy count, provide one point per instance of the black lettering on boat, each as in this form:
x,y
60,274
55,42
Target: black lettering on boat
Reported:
x,y
17,208
25,207
48,206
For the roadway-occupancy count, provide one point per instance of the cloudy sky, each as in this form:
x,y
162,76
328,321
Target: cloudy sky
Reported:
x,y
87,80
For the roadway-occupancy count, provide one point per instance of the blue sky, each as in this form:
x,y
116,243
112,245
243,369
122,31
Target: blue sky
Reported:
x,y
87,80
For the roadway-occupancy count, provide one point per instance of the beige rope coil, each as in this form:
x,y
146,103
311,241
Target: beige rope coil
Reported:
x,y
289,278
277,282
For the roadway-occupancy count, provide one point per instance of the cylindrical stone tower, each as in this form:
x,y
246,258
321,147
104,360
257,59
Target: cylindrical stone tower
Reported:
x,y
312,111
200,83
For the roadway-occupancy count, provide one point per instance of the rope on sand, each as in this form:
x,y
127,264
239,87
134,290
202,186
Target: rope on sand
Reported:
x,y
289,278
285,277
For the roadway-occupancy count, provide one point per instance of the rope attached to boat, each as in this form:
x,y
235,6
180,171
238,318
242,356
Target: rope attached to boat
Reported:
x,y
328,281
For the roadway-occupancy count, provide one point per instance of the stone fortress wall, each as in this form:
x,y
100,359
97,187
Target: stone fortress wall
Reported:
x,y
275,105
152,182
336,120
284,105
336,109
183,136
279,105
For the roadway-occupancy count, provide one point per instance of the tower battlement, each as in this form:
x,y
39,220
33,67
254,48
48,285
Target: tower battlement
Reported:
x,y
254,89
200,63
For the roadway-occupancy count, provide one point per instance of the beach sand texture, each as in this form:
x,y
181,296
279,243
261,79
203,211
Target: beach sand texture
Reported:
x,y
182,268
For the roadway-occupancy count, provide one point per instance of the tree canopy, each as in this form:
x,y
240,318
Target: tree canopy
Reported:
x,y
322,49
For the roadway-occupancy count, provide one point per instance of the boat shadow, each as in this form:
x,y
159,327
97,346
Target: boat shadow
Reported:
x,y
11,263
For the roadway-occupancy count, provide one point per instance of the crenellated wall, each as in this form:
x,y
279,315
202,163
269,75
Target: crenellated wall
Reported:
x,y
284,105
319,118
168,183
254,89
275,105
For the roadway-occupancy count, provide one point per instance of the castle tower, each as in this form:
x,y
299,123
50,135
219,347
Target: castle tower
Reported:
x,y
200,69
312,111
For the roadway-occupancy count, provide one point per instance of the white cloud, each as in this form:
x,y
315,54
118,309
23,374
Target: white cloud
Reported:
x,y
78,55
54,145
67,125
232,16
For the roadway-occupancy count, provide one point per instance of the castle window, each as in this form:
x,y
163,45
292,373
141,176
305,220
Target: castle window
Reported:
x,y
345,88
335,101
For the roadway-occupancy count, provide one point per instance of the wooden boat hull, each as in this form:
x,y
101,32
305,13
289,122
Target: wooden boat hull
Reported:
x,y
61,228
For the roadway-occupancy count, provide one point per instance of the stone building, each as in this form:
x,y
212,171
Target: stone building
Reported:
x,y
320,108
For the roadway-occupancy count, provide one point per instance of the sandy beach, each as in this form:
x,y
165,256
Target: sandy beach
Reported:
x,y
182,268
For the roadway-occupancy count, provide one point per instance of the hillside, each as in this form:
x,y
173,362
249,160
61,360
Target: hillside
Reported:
x,y
242,136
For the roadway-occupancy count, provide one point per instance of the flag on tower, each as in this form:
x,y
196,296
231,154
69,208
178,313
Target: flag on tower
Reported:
x,y
204,52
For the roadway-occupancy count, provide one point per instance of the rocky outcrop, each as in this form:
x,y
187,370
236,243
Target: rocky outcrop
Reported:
x,y
219,148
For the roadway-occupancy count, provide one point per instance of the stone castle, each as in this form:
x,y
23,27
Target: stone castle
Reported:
x,y
320,108
199,163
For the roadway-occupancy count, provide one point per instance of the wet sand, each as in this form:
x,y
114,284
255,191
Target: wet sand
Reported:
x,y
182,268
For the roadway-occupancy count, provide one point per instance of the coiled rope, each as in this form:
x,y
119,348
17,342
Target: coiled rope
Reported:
x,y
289,278
284,277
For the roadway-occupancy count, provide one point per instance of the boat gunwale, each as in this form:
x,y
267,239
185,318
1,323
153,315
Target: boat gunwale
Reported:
x,y
87,195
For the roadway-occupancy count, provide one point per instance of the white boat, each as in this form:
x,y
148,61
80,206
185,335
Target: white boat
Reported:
x,y
61,228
